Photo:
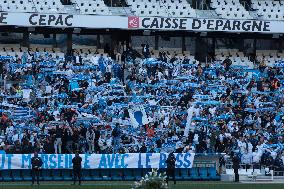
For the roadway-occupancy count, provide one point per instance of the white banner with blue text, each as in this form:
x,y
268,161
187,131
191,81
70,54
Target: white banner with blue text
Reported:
x,y
96,161
139,23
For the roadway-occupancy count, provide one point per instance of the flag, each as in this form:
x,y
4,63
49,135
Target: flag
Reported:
x,y
20,113
188,120
138,116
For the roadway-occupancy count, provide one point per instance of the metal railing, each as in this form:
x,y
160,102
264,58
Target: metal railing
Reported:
x,y
258,166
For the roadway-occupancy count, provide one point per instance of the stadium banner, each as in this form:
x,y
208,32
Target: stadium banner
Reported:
x,y
197,24
137,23
96,161
62,20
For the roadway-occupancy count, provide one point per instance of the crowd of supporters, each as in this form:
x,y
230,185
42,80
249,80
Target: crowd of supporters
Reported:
x,y
95,104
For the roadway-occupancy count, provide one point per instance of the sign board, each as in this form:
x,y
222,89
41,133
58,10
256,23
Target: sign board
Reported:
x,y
96,161
137,23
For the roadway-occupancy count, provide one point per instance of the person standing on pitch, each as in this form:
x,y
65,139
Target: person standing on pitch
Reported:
x,y
77,168
36,164
236,166
171,164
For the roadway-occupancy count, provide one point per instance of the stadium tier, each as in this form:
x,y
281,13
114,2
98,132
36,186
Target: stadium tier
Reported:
x,y
91,7
179,8
270,10
126,83
229,9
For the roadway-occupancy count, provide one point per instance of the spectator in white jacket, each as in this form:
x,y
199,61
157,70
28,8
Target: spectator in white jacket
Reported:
x,y
247,159
90,135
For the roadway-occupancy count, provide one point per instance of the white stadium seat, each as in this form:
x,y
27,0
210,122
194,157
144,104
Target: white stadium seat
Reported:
x,y
236,57
176,8
91,7
42,6
17,5
49,6
268,10
230,9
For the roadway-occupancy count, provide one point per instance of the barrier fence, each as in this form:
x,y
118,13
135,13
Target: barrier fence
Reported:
x,y
202,168
199,171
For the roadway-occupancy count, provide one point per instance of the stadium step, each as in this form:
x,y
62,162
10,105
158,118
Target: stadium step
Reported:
x,y
206,14
71,9
120,11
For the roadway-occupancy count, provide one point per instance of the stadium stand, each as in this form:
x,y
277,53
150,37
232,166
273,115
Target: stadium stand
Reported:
x,y
270,56
51,65
53,6
49,6
91,7
268,10
160,99
17,6
17,51
230,9
237,58
179,8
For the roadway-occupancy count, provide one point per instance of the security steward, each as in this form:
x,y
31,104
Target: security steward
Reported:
x,y
171,163
77,168
36,165
236,166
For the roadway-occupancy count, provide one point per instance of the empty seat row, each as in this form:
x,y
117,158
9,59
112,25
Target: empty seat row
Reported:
x,y
17,5
165,8
90,10
91,7
264,3
156,1
50,8
45,6
225,2
235,56
203,173
16,2
47,2
270,57
230,9
54,6
90,3
269,10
